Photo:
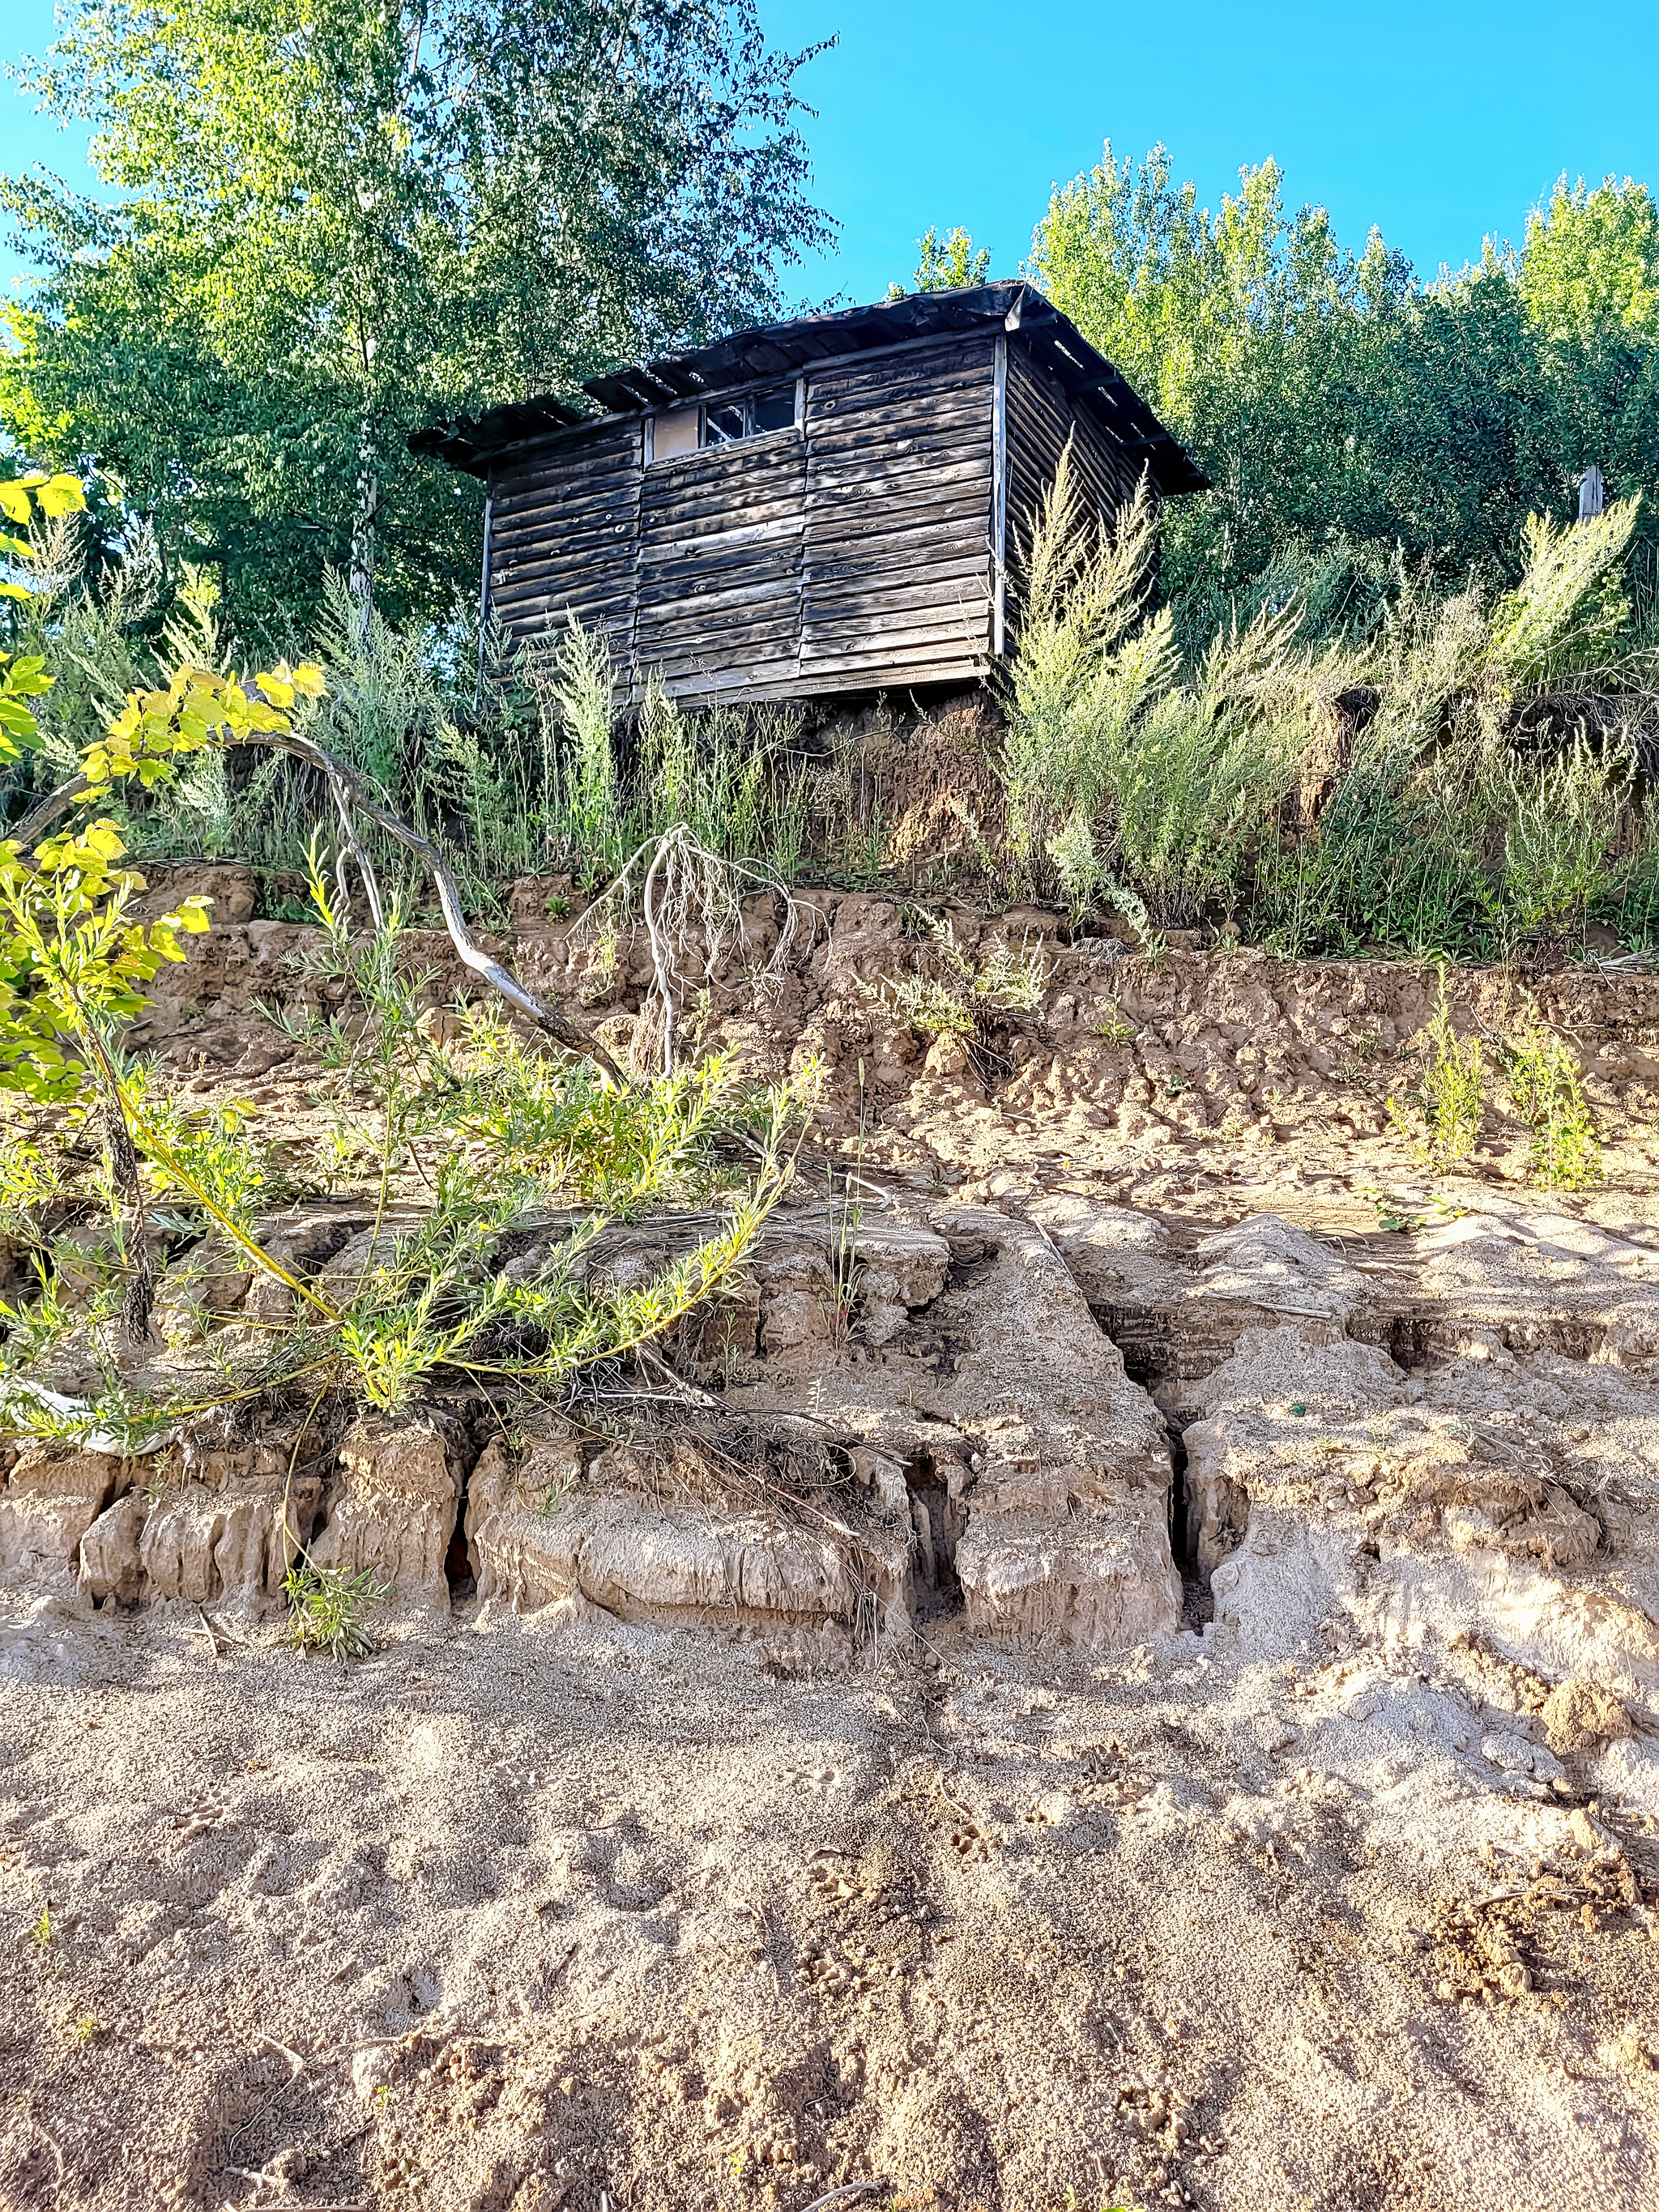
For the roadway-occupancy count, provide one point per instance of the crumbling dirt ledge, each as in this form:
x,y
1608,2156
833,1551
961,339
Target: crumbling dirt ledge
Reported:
x,y
1233,1779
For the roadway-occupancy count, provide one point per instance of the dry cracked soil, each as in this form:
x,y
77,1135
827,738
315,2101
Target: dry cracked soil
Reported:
x,y
1167,1714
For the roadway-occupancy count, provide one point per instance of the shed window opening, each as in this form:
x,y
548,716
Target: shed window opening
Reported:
x,y
683,429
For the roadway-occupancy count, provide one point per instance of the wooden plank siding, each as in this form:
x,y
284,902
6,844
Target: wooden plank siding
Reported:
x,y
855,552
1041,419
720,568
564,529
897,583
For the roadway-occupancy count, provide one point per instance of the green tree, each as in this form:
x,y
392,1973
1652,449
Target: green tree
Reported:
x,y
1591,261
1347,415
338,217
947,264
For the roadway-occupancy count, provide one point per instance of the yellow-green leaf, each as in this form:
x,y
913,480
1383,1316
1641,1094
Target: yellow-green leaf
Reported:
x,y
61,495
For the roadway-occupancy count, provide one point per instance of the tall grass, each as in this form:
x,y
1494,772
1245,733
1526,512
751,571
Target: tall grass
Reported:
x,y
1138,775
1347,760
1120,763
516,760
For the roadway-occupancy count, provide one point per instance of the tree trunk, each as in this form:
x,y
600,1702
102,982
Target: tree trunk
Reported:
x,y
128,1184
365,518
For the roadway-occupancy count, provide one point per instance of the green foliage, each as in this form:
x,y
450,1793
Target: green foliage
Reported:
x,y
1547,1086
947,994
71,960
1337,402
24,676
1442,1119
947,264
1591,262
1114,766
622,1150
331,1609
1142,780
579,687
328,224
1560,819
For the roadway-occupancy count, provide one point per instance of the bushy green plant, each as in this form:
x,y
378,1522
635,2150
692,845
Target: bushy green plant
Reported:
x,y
1561,820
1442,1119
1114,766
423,1300
331,1609
952,995
1547,1086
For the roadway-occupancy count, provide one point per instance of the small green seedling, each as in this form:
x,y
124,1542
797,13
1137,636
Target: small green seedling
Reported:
x,y
1441,1120
331,1609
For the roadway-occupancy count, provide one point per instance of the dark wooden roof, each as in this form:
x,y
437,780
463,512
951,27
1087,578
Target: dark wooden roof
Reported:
x,y
475,444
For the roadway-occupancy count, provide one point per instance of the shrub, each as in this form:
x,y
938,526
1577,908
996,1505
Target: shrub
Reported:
x,y
1115,767
1547,1086
331,1609
1442,1119
954,994
1560,823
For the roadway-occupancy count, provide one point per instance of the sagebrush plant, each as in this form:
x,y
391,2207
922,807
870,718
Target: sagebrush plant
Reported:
x,y
1162,785
1561,821
947,992
1116,763
1546,1084
1442,1119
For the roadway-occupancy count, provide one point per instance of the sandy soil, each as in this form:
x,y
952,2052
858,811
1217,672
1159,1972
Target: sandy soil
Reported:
x,y
1331,1879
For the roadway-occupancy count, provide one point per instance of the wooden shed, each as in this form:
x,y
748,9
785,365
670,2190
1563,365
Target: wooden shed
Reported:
x,y
829,505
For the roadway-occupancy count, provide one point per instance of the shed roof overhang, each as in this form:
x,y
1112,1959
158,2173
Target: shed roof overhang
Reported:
x,y
479,443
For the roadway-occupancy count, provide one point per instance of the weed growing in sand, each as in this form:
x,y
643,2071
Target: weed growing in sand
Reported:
x,y
1547,1085
550,1503
42,1934
1116,1027
332,1608
953,996
1394,1218
845,1220
86,2029
1440,1120
604,949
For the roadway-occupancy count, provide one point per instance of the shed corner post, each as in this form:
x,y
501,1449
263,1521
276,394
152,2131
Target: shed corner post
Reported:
x,y
999,498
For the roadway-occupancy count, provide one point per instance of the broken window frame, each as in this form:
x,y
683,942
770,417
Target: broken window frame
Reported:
x,y
744,403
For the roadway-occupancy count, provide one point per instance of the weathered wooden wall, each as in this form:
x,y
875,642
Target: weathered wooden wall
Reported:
x,y
858,555
897,582
564,531
1041,418
720,568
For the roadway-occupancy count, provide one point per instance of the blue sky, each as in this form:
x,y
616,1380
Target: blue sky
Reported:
x,y
1441,123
